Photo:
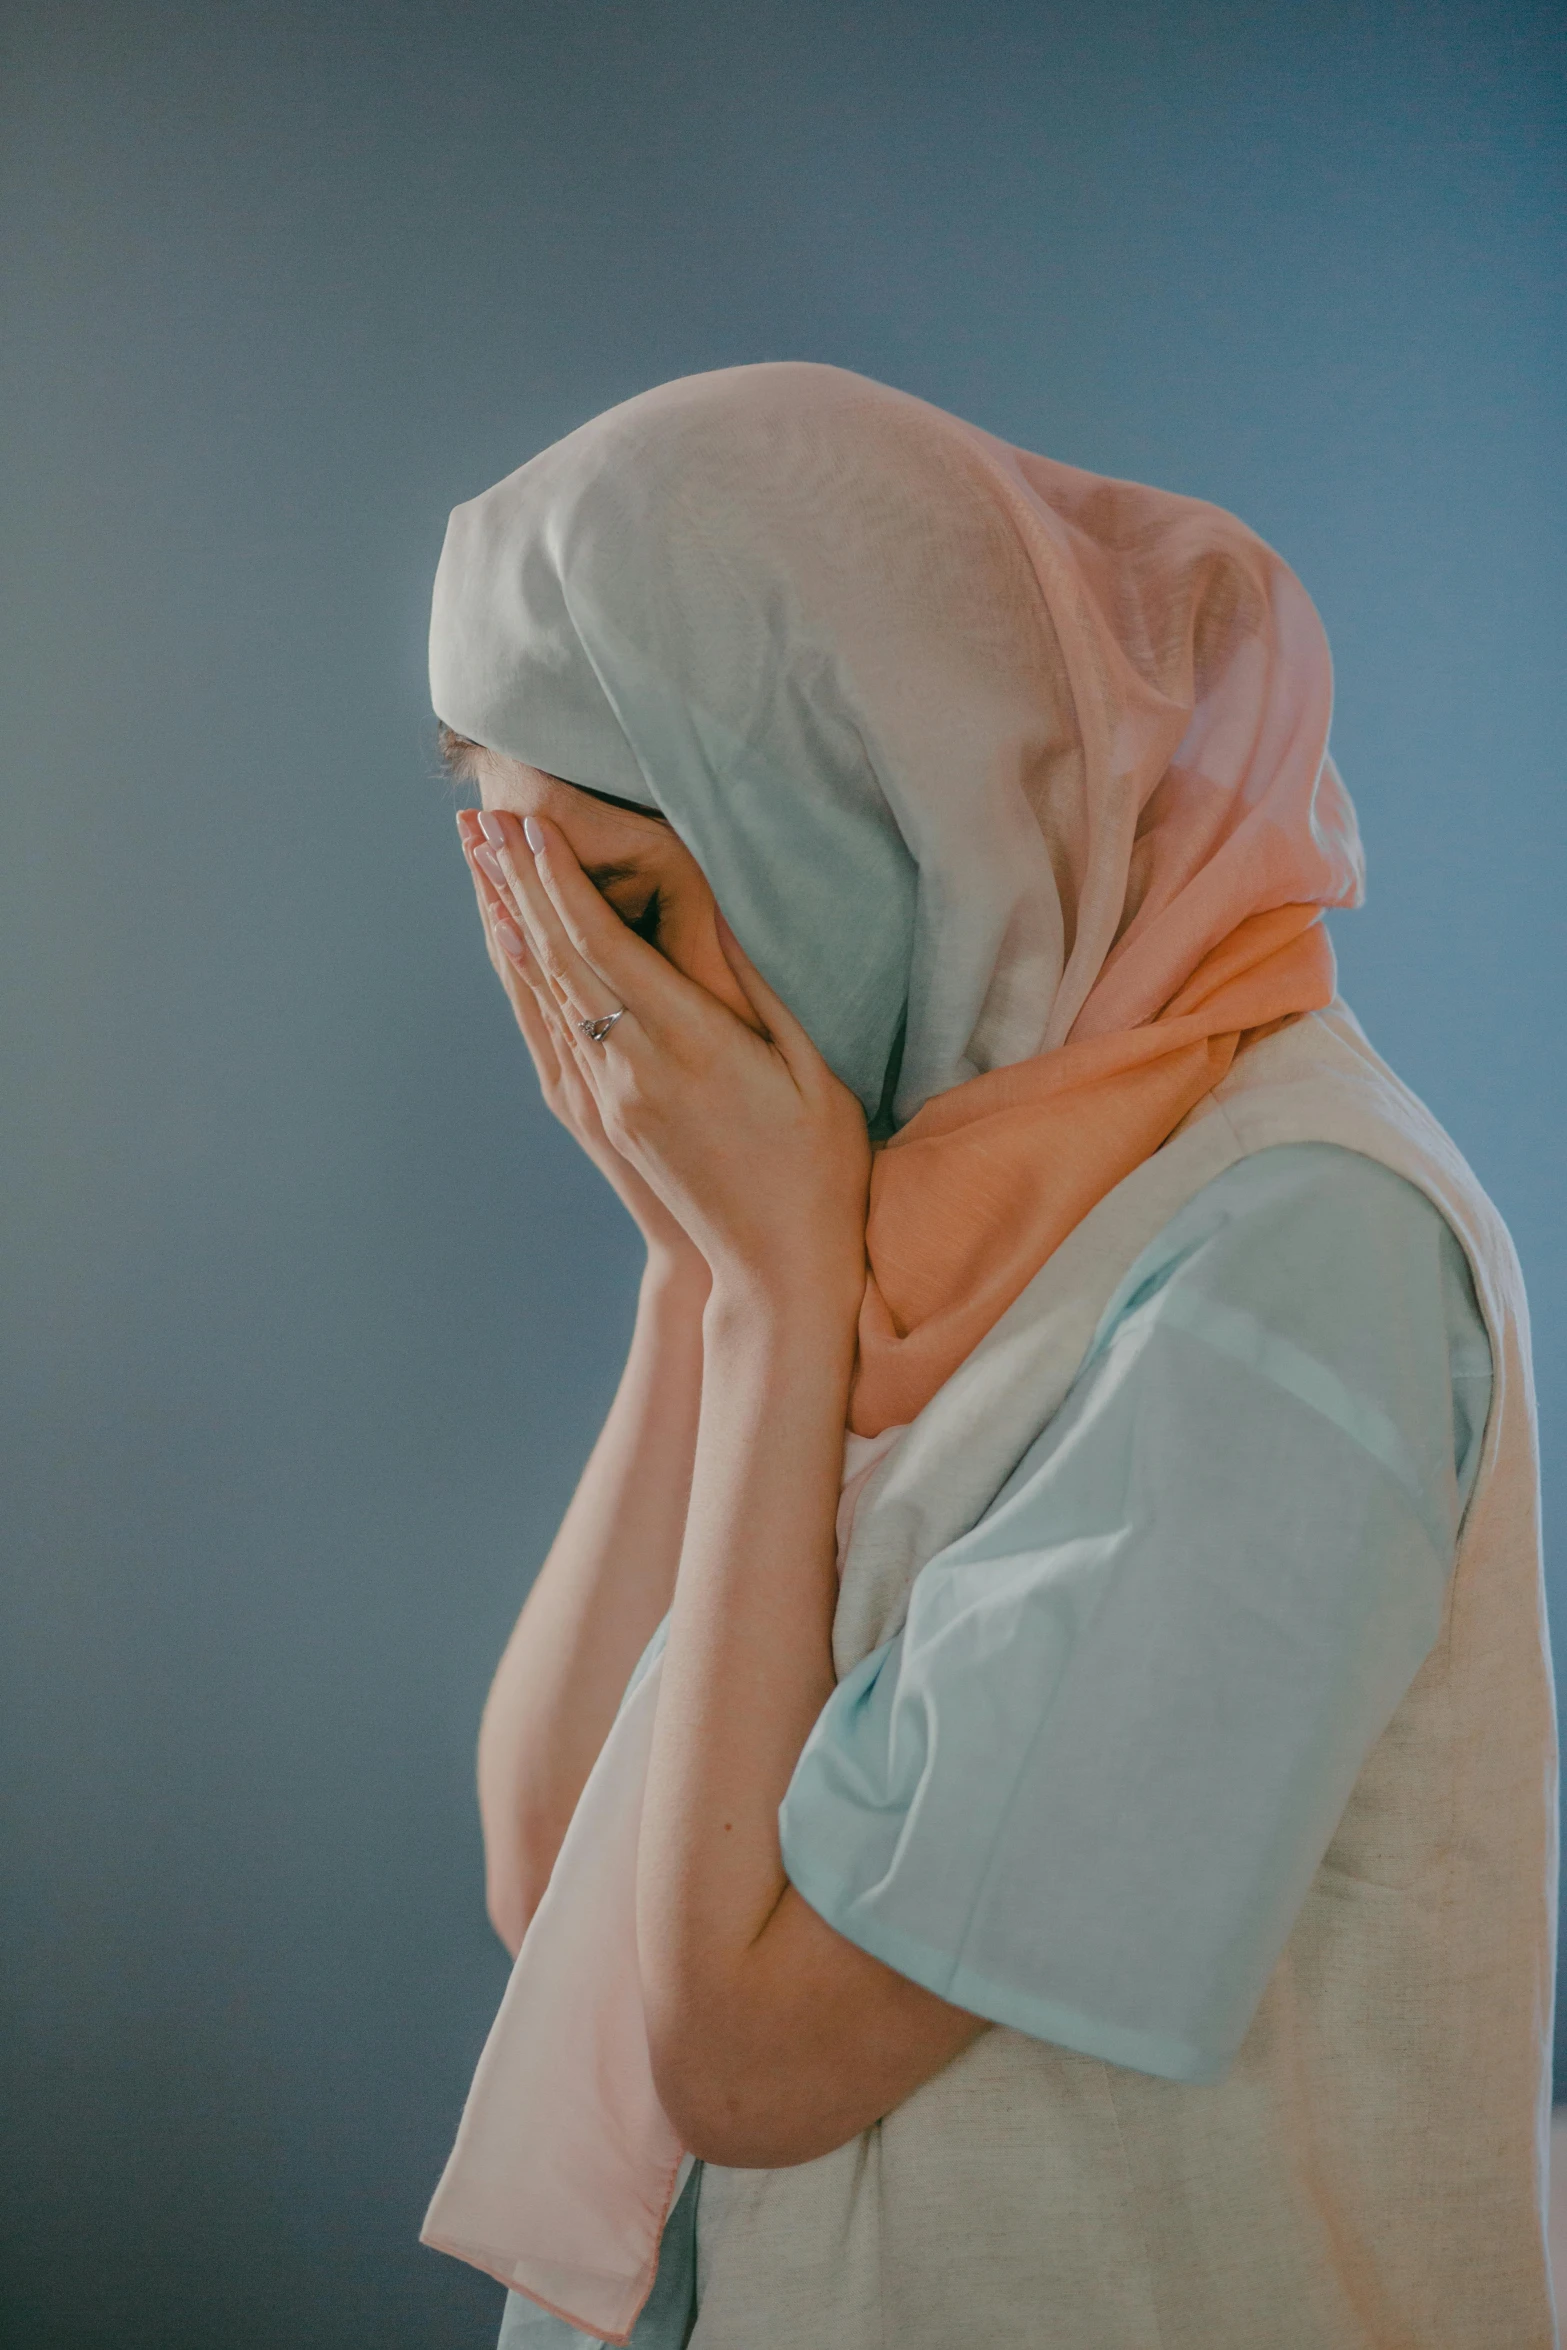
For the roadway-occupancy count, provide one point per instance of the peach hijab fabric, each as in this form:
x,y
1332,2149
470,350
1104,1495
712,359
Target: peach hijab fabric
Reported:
x,y
1013,780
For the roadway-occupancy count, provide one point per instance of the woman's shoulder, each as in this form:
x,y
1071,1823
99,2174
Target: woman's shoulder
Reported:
x,y
1321,1080
1303,1224
1316,1268
1281,1180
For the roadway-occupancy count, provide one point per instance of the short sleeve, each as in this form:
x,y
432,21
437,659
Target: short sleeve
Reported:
x,y
1084,1790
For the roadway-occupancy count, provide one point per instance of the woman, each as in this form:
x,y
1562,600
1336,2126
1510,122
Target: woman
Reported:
x,y
1072,1861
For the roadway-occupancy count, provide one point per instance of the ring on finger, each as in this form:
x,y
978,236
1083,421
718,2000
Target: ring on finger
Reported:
x,y
597,1030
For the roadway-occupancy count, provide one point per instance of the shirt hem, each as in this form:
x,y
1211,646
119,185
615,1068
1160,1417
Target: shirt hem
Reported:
x,y
1164,2055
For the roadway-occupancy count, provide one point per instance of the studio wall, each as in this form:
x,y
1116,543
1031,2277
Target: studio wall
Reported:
x,y
310,1313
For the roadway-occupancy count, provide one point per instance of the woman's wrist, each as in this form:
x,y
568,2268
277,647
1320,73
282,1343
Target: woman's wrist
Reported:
x,y
817,1308
675,1281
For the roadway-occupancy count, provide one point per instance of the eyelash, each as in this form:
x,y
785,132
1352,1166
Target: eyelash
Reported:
x,y
647,922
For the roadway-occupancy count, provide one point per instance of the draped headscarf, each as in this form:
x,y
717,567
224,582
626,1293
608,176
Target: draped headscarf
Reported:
x,y
1013,782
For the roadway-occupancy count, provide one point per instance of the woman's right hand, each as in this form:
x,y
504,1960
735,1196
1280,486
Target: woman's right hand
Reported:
x,y
566,1092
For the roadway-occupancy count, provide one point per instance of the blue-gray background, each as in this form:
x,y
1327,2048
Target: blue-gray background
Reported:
x,y
310,1314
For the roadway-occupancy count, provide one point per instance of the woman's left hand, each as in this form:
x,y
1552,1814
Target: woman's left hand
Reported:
x,y
755,1147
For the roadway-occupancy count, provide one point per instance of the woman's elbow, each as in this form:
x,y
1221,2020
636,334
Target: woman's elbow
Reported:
x,y
517,1869
741,2108
739,2132
508,1911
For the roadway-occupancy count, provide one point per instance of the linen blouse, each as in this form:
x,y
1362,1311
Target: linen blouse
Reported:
x,y
1083,1790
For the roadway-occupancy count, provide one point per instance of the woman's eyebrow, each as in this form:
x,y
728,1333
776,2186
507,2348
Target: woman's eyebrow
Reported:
x,y
606,876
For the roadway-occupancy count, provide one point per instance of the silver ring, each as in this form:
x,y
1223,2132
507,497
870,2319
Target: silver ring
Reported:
x,y
597,1030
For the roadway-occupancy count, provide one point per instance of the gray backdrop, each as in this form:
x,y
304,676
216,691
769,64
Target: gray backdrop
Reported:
x,y
310,1314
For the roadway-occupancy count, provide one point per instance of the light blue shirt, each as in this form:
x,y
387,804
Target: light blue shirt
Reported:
x,y
1085,1788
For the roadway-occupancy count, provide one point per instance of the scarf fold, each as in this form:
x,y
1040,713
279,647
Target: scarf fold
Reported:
x,y
970,1198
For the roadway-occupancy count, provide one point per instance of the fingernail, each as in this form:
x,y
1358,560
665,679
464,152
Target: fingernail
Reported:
x,y
533,833
491,863
492,829
511,941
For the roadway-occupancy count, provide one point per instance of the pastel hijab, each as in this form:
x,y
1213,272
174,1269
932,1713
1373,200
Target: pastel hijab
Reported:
x,y
984,757
1013,781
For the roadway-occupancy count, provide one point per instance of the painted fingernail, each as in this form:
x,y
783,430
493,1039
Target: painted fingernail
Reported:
x,y
492,829
533,833
491,863
511,941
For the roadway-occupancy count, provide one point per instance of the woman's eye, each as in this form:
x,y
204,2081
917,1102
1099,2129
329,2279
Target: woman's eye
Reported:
x,y
646,923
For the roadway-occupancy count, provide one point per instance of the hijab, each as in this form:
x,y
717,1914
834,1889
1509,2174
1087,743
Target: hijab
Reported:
x,y
1013,782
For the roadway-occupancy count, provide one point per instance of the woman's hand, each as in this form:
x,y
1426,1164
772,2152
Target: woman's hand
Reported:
x,y
566,1093
747,1139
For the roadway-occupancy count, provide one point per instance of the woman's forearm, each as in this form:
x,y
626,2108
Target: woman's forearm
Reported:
x,y
748,1666
595,1603
747,1670
774,2039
